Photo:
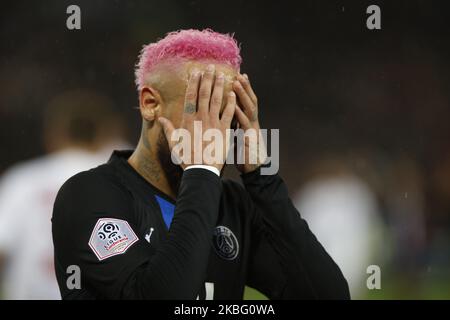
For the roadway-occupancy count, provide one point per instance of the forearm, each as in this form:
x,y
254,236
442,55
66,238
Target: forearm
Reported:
x,y
304,257
178,268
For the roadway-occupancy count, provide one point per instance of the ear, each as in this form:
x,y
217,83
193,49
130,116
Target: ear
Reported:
x,y
149,103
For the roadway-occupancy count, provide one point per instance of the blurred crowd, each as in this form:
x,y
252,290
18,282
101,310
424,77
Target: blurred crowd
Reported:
x,y
363,119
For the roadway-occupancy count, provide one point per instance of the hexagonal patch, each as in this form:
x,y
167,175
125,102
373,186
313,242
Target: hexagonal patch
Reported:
x,y
111,237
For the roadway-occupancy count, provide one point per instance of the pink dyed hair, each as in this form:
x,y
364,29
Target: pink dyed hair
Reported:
x,y
188,45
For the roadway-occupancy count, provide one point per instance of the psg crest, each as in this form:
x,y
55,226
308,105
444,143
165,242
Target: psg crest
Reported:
x,y
225,243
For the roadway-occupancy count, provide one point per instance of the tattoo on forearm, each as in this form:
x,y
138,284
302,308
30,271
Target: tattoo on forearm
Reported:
x,y
189,108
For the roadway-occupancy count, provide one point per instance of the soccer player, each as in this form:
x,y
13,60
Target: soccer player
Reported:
x,y
143,227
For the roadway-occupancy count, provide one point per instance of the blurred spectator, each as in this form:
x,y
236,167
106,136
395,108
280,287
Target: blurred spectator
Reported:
x,y
80,130
342,211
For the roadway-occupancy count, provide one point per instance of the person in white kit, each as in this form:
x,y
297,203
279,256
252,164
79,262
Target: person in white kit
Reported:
x,y
80,129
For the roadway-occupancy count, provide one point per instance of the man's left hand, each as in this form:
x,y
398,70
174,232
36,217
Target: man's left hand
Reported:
x,y
247,115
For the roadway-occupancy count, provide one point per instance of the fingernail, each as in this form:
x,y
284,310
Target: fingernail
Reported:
x,y
232,94
245,76
220,76
210,68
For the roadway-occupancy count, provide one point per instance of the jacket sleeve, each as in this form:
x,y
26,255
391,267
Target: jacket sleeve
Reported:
x,y
287,261
175,270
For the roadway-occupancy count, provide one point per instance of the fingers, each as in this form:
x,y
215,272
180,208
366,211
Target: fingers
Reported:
x,y
168,129
204,94
217,96
249,107
248,88
242,118
190,101
229,110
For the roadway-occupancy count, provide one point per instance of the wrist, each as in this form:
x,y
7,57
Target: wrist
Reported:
x,y
213,169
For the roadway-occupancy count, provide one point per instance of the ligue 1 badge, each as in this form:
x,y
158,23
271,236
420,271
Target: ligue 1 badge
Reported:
x,y
225,243
111,237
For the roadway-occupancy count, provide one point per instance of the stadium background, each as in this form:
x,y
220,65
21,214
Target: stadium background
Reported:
x,y
348,101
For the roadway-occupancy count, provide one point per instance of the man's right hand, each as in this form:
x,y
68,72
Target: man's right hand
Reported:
x,y
202,107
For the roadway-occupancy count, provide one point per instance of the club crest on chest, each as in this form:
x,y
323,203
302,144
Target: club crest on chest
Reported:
x,y
225,243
